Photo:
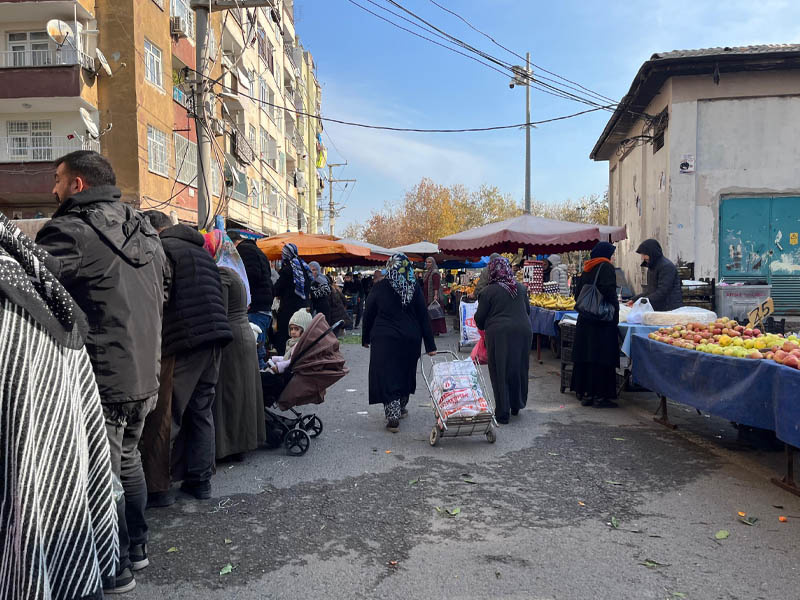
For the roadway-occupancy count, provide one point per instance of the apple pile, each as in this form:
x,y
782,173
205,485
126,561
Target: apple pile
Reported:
x,y
727,338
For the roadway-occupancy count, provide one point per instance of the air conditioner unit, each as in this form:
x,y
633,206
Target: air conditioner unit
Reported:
x,y
177,27
217,126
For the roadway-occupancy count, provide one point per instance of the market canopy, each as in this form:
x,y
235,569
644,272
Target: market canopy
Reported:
x,y
535,235
378,254
324,249
420,249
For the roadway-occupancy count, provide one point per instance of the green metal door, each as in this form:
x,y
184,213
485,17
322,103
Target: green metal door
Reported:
x,y
785,260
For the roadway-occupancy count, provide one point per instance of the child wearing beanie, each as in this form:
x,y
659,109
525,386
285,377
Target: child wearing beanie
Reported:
x,y
298,324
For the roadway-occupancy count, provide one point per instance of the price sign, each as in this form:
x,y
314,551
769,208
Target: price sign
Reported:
x,y
760,312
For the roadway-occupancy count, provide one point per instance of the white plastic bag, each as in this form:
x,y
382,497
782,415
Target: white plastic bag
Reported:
x,y
638,310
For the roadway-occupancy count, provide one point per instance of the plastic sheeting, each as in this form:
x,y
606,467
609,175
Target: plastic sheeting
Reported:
x,y
758,393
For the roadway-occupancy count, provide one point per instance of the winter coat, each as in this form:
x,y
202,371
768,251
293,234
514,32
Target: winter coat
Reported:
x,y
597,341
558,273
663,286
196,314
483,281
108,257
338,310
259,275
290,303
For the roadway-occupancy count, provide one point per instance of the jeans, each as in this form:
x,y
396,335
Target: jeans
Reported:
x,y
194,383
264,321
124,424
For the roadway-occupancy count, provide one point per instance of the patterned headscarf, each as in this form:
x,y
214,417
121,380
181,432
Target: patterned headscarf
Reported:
x,y
501,274
320,286
299,269
400,274
224,253
26,281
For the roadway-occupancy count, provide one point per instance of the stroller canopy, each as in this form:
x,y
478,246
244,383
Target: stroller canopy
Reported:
x,y
316,365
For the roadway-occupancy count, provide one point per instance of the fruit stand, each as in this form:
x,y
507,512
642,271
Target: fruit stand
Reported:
x,y
750,378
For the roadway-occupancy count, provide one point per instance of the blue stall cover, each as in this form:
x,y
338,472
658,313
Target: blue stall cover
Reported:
x,y
464,264
758,393
545,321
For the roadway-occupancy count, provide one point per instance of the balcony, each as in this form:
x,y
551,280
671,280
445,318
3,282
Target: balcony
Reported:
x,y
23,149
36,73
242,150
21,59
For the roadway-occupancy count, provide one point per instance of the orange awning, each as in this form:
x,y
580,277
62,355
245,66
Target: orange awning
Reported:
x,y
322,248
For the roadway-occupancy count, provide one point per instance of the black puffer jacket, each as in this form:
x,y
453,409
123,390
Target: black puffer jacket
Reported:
x,y
663,286
259,275
196,315
108,257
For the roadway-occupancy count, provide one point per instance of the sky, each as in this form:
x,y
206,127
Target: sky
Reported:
x,y
372,72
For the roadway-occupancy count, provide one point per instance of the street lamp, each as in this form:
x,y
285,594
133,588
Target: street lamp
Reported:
x,y
524,76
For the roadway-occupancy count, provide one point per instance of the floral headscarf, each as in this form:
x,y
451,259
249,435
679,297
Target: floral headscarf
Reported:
x,y
224,253
501,274
400,274
300,269
320,286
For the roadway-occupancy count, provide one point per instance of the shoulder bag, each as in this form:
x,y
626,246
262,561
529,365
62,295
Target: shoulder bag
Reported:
x,y
591,304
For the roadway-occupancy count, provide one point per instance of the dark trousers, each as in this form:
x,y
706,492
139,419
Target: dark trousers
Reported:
x,y
264,321
124,424
194,383
359,311
155,444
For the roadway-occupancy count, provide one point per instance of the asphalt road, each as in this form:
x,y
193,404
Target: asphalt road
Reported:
x,y
569,503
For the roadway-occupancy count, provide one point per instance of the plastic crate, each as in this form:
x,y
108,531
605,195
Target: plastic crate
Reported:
x,y
566,376
736,301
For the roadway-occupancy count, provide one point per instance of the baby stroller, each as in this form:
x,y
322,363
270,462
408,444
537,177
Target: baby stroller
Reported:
x,y
316,365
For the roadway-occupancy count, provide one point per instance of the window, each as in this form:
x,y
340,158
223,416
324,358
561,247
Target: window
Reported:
x,y
29,140
157,151
152,63
272,110
251,137
272,153
180,96
266,196
264,144
182,9
31,49
270,57
251,77
659,127
263,93
185,160
282,162
255,193
216,178
261,35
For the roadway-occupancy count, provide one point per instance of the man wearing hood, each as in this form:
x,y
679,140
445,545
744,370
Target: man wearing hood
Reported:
x,y
109,258
663,285
558,273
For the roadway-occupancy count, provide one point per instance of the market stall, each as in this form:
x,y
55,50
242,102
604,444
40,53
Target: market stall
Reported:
x,y
324,249
754,392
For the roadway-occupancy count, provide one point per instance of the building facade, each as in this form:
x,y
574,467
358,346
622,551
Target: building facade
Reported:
x,y
703,156
263,174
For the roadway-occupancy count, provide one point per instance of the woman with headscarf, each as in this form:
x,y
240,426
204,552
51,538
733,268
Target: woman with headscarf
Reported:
x,y
294,290
239,404
395,323
320,291
595,354
502,313
432,289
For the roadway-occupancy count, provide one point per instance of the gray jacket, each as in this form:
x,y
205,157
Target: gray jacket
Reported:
x,y
663,285
559,274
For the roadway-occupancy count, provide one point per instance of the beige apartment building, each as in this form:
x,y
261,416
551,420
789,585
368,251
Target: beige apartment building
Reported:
x,y
264,156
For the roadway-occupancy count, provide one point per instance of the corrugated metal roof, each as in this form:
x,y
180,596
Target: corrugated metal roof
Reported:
x,y
726,51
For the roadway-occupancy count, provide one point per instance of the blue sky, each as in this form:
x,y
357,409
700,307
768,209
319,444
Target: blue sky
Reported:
x,y
371,72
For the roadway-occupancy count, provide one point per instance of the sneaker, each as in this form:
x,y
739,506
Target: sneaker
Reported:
x,y
393,425
124,582
160,499
138,556
200,489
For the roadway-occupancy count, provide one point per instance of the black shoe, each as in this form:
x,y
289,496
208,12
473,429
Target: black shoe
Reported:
x,y
514,412
503,420
403,413
138,556
393,425
606,404
160,499
122,583
200,490
587,401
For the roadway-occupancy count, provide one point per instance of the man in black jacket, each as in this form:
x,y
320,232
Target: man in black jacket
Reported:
x,y
663,286
108,257
259,275
195,330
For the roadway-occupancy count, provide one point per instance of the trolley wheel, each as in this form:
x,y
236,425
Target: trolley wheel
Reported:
x,y
434,435
491,436
297,442
312,425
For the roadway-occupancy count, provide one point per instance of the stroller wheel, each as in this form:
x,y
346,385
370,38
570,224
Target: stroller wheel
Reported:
x,y
312,425
297,442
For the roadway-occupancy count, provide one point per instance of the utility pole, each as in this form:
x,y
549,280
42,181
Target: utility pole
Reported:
x,y
202,99
331,206
528,134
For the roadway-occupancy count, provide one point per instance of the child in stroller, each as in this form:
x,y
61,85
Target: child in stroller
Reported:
x,y
311,365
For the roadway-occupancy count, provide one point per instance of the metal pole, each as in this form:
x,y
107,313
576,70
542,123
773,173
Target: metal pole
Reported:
x,y
202,122
331,211
528,134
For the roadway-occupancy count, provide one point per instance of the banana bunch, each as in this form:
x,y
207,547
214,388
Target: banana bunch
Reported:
x,y
552,301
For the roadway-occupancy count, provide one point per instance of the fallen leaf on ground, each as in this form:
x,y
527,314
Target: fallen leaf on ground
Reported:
x,y
413,482
722,534
453,511
749,520
613,482
472,481
620,439
581,503
553,453
438,508
742,514
497,574
615,522
228,541
173,549
782,519
226,569
652,564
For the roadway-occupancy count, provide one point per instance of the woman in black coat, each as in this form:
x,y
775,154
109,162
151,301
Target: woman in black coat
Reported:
x,y
321,291
395,324
503,310
294,289
596,351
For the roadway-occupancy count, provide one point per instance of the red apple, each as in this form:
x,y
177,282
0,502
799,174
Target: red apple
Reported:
x,y
739,328
792,361
769,355
780,356
755,354
756,331
716,331
698,339
748,332
788,346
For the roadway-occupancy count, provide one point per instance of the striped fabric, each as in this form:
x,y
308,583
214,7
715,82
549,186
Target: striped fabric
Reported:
x,y
58,520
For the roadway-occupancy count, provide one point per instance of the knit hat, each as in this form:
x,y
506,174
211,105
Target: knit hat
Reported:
x,y
302,318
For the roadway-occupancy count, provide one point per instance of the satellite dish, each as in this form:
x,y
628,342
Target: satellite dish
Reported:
x,y
91,127
59,31
103,62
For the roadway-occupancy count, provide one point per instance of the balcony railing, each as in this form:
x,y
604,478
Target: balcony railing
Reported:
x,y
13,59
242,149
40,148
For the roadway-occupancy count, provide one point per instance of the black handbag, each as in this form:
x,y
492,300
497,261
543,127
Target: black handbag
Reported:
x,y
591,304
